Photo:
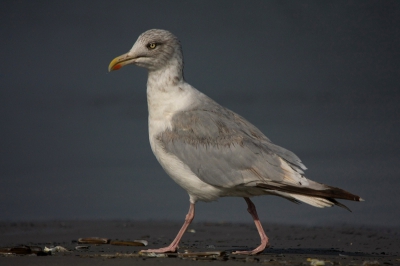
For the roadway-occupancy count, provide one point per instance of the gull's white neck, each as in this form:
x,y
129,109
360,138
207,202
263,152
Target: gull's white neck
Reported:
x,y
167,93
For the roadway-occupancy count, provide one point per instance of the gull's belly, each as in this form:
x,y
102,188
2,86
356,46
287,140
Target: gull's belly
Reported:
x,y
181,174
161,111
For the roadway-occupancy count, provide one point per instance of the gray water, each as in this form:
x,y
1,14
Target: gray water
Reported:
x,y
320,79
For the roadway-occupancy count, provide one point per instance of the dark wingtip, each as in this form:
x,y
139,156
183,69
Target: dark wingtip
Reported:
x,y
339,204
329,192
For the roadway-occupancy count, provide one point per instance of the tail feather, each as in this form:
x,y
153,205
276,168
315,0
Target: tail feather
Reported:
x,y
340,205
328,193
316,197
314,201
319,202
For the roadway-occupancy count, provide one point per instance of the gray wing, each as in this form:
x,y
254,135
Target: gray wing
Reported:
x,y
225,150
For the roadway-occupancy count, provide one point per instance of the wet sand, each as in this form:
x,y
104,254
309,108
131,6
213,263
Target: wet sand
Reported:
x,y
290,245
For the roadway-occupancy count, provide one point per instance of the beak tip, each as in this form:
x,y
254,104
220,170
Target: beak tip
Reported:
x,y
119,62
113,66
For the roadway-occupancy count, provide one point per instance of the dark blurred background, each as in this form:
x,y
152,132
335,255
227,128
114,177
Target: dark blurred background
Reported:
x,y
318,78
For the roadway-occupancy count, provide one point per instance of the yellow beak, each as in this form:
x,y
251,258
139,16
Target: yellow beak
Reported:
x,y
120,61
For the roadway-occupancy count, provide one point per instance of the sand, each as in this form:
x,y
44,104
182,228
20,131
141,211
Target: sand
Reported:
x,y
290,245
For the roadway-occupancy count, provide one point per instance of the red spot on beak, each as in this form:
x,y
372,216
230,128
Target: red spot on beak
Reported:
x,y
117,66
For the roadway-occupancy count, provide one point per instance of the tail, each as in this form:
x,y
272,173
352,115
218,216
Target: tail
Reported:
x,y
320,198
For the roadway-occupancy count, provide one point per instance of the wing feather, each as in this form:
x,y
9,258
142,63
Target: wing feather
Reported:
x,y
225,150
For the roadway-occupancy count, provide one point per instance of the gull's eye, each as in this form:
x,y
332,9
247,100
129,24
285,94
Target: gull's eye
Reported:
x,y
152,45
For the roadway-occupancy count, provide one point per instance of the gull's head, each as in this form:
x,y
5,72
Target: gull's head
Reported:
x,y
154,49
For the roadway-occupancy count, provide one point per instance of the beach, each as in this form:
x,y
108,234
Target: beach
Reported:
x,y
203,242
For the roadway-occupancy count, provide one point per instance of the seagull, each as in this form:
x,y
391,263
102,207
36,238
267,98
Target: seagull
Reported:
x,y
209,150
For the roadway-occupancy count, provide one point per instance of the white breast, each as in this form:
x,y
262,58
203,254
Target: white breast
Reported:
x,y
162,106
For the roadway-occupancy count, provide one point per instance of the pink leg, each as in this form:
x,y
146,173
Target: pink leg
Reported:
x,y
174,245
264,239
